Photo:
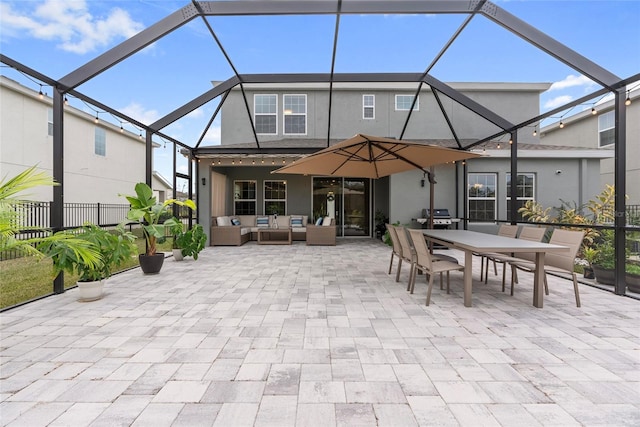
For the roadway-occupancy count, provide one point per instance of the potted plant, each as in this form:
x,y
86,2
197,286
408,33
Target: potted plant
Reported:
x,y
176,228
192,241
589,254
632,277
604,262
112,248
147,212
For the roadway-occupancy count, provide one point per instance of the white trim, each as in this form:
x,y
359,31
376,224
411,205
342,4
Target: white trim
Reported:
x,y
415,108
284,114
265,114
546,154
265,200
364,117
255,200
494,198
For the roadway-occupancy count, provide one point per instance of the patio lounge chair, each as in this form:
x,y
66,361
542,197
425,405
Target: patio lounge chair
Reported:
x,y
322,234
426,263
557,262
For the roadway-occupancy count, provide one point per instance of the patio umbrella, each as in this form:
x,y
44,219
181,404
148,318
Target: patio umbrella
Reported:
x,y
366,156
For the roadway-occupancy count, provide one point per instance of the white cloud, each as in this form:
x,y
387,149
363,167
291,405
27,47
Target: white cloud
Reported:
x,y
136,111
212,137
572,81
558,101
195,114
70,24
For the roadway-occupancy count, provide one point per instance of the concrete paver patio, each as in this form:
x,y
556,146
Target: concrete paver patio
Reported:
x,y
314,336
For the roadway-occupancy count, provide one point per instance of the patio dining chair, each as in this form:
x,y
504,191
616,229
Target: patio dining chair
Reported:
x,y
396,249
426,263
505,230
556,262
534,234
408,252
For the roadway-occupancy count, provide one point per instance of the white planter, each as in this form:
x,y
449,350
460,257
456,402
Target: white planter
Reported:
x,y
177,254
90,291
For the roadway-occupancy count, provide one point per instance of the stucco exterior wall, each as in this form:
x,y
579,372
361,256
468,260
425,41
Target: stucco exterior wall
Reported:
x,y
581,130
515,102
88,177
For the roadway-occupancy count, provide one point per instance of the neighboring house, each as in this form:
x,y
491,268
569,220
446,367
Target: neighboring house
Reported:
x,y
588,130
101,160
162,188
239,179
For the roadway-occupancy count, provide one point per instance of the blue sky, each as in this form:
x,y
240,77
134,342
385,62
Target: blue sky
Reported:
x,y
55,37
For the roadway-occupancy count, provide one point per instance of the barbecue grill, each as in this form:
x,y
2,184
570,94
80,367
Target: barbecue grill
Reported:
x,y
441,218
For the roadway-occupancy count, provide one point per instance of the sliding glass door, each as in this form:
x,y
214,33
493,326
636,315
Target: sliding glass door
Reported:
x,y
347,200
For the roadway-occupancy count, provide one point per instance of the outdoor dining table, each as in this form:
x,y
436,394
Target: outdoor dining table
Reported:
x,y
473,241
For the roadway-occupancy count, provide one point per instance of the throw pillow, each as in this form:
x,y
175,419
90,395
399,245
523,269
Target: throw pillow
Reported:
x,y
262,221
326,221
296,222
223,221
319,221
235,221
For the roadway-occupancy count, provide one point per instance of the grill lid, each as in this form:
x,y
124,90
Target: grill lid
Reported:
x,y
441,213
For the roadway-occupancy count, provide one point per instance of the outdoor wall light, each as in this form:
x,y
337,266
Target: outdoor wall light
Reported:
x,y
204,181
558,172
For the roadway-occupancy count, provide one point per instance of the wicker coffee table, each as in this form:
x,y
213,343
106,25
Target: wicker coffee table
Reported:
x,y
274,236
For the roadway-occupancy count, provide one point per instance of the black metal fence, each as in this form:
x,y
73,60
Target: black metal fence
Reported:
x,y
36,215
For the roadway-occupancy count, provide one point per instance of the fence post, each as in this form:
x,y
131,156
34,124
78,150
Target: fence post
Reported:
x,y
99,222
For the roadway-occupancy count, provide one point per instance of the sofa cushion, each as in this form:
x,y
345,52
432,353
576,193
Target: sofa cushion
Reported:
x,y
296,222
245,230
223,221
283,221
326,221
262,221
247,220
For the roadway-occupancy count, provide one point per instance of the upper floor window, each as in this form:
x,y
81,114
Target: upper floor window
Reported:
x,y
606,129
244,197
295,114
368,106
525,189
265,109
275,197
481,192
403,103
100,141
50,121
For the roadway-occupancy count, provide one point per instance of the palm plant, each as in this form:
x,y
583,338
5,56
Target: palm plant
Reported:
x,y
12,223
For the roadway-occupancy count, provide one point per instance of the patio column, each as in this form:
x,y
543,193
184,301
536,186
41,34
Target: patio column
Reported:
x,y
513,202
620,221
56,215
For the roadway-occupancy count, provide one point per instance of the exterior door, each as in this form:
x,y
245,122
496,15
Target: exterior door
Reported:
x,y
347,201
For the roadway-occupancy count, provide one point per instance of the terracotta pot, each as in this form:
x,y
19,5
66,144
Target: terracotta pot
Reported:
x,y
151,264
90,291
604,276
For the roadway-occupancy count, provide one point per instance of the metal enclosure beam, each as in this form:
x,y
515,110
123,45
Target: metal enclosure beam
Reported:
x,y
56,216
195,103
549,45
128,47
620,221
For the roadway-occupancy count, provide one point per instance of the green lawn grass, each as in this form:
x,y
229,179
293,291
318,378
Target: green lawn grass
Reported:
x,y
27,278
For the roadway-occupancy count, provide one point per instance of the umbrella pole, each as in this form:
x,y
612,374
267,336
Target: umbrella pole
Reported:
x,y
432,182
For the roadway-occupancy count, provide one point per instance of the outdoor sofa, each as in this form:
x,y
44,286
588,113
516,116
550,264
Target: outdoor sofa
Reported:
x,y
240,229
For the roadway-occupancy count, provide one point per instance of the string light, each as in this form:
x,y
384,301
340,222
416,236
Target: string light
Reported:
x,y
40,94
96,119
594,111
240,161
561,124
263,160
628,100
498,147
121,128
535,131
253,162
66,101
219,161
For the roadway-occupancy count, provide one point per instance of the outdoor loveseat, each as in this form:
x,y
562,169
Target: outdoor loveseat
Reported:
x,y
240,229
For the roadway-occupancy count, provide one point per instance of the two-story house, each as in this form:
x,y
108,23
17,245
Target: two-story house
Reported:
x,y
238,177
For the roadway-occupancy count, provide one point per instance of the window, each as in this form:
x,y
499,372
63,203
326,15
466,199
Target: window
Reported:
x,y
368,106
244,197
295,114
265,108
403,103
525,190
100,142
50,121
606,129
481,192
275,197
